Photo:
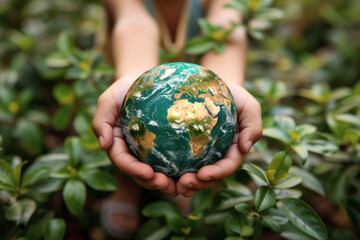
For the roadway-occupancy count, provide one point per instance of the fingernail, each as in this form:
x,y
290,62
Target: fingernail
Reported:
x,y
101,141
248,145
189,185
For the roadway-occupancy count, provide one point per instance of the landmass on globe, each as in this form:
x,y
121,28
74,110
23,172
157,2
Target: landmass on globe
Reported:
x,y
178,117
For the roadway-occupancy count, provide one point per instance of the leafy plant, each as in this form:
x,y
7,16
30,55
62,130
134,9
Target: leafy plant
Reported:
x,y
304,73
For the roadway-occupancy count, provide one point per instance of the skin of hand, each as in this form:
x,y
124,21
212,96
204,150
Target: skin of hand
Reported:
x,y
106,125
249,130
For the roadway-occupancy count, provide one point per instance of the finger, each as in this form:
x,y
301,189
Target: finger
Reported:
x,y
191,181
249,119
171,189
158,182
189,193
119,154
224,167
107,112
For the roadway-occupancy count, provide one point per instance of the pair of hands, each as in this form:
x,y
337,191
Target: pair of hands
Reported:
x,y
106,125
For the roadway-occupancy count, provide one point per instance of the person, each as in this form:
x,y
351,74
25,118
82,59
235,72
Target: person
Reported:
x,y
136,37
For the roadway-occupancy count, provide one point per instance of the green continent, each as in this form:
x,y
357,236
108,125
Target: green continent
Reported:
x,y
143,138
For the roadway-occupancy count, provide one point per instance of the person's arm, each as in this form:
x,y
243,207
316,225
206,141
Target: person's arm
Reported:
x,y
135,37
230,66
135,45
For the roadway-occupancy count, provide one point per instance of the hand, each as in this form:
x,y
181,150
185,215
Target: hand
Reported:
x,y
249,130
106,125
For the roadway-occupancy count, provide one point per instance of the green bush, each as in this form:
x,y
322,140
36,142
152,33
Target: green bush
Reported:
x,y
303,68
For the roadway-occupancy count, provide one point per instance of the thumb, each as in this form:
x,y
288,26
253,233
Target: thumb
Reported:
x,y
104,120
250,124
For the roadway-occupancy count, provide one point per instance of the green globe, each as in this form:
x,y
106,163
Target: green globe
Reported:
x,y
178,117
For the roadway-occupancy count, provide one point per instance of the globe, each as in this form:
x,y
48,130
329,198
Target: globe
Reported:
x,y
178,117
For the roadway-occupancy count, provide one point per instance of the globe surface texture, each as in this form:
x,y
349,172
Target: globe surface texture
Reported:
x,y
178,117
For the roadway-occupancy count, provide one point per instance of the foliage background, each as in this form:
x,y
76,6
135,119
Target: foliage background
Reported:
x,y
304,69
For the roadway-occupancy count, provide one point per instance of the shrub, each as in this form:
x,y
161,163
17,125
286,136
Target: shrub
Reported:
x,y
303,69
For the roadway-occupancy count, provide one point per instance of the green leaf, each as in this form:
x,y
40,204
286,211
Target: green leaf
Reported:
x,y
96,160
240,6
215,218
48,185
74,194
308,180
303,217
229,198
276,215
258,231
256,34
20,39
287,193
200,201
205,26
64,94
55,229
30,136
20,211
62,173
304,130
235,221
17,172
65,43
220,48
289,231
6,174
160,209
270,14
242,207
199,45
99,180
74,150
351,137
277,134
7,187
32,175
285,122
25,98
321,146
301,151
57,60
272,223
264,198
348,118
82,123
279,167
5,196
264,3
289,182
347,104
154,229
177,238
35,230
255,170
62,117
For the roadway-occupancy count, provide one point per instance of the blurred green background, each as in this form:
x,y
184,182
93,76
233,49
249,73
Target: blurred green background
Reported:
x,y
53,69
